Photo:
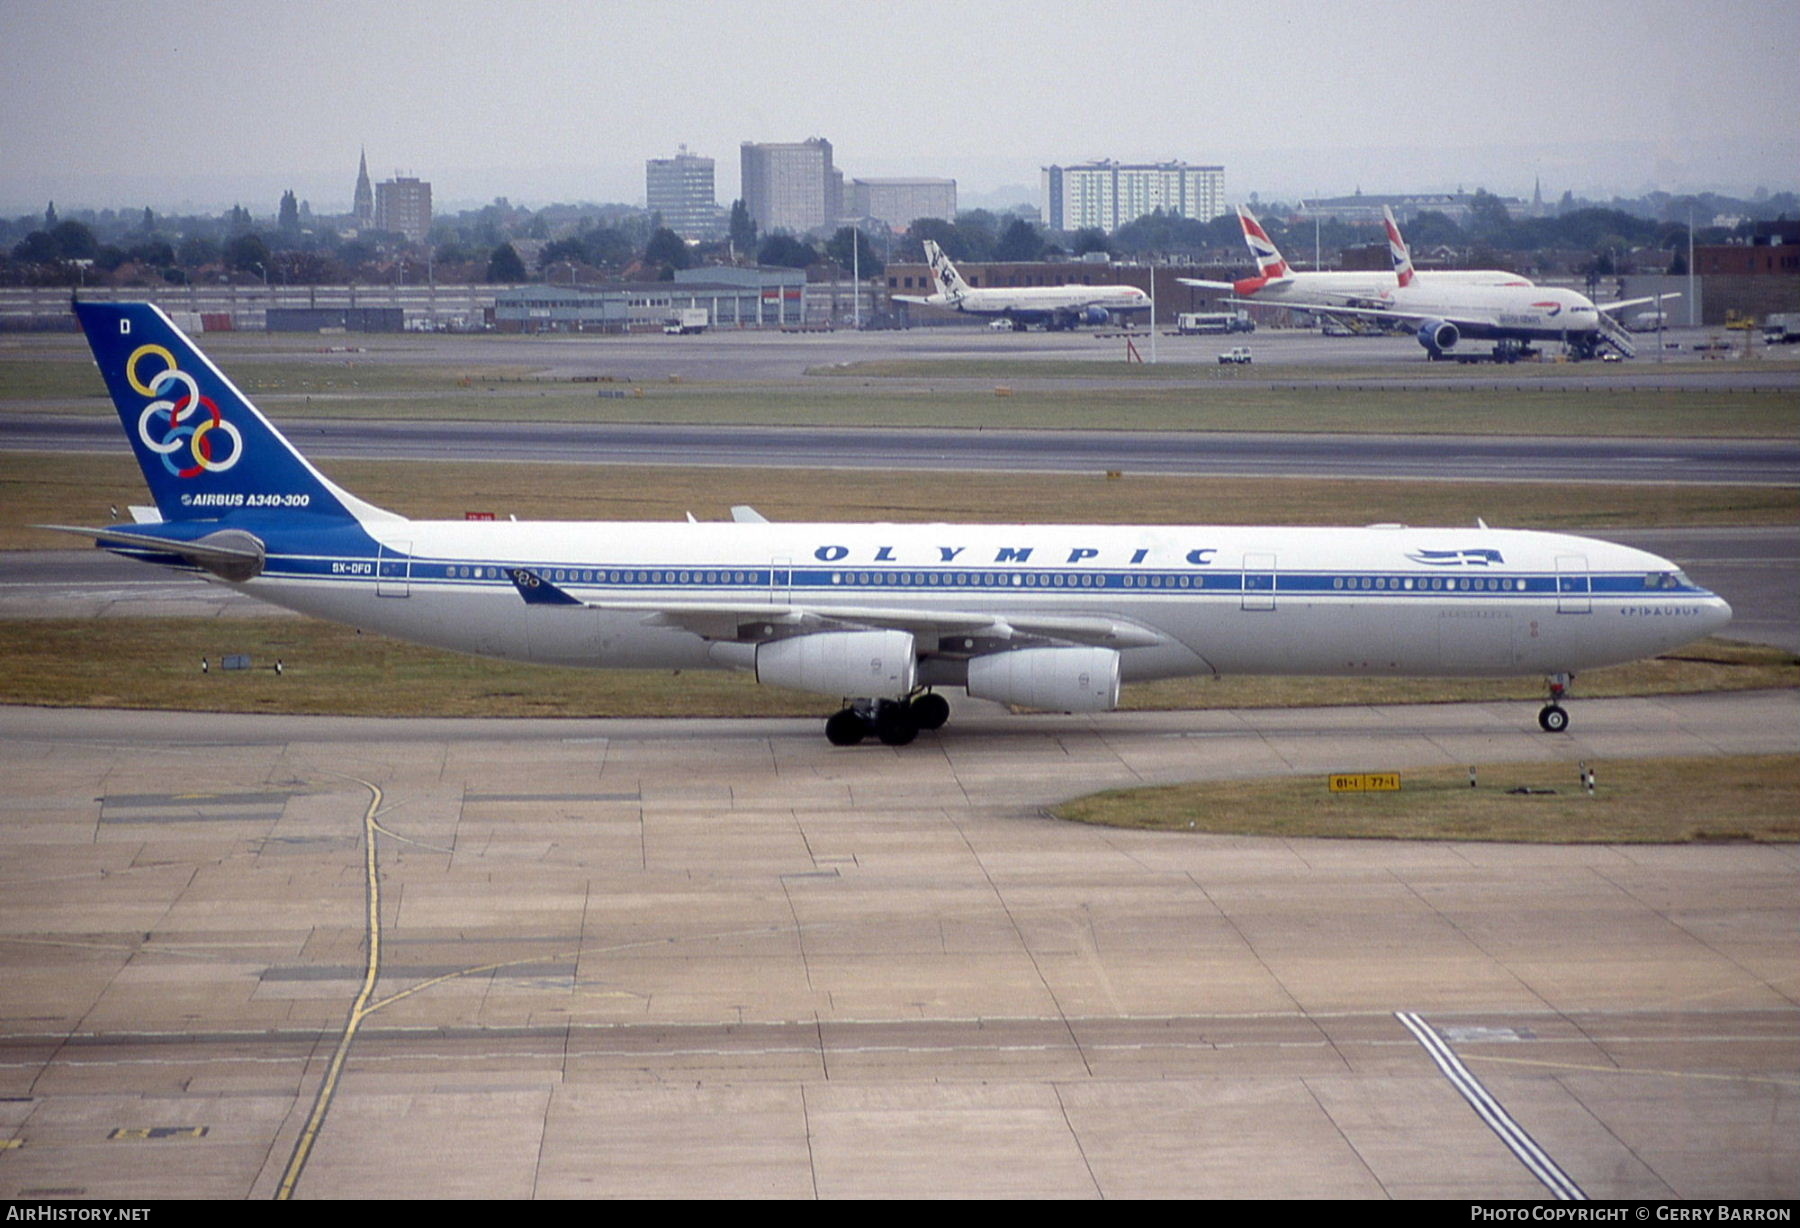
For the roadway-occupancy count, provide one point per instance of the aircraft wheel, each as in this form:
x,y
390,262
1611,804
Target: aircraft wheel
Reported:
x,y
894,724
845,728
1554,718
930,711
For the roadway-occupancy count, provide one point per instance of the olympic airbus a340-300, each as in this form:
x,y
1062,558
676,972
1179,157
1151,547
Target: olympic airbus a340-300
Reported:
x,y
877,616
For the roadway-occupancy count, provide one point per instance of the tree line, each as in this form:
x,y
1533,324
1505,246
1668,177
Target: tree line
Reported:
x,y
589,243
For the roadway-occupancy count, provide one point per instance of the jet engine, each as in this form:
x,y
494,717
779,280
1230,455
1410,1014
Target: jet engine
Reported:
x,y
861,664
1438,336
1095,315
1056,679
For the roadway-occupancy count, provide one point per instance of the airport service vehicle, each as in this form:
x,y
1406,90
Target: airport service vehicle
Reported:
x,y
1055,307
686,321
878,616
1194,323
1782,328
1237,355
1443,308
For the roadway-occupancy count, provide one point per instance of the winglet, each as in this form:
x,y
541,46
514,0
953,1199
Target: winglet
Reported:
x,y
536,590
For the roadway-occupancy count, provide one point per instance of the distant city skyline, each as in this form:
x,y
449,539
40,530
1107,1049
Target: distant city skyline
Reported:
x,y
199,106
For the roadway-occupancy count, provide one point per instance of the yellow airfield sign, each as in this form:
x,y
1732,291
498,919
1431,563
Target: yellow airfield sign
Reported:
x,y
1365,782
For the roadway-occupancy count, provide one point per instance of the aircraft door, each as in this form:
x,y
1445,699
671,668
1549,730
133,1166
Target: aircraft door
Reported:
x,y
393,570
781,580
1573,591
1259,581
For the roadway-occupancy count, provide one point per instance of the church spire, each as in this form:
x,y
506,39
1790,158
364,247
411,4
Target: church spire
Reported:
x,y
364,205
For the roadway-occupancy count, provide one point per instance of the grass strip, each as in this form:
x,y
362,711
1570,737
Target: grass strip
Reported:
x,y
1655,801
83,489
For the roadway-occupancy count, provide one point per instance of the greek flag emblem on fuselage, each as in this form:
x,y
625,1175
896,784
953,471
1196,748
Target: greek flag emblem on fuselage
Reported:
x,y
1456,558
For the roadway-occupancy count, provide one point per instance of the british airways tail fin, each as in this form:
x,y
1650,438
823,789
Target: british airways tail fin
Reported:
x,y
1397,249
204,448
1269,262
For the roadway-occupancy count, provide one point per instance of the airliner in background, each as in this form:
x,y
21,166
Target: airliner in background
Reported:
x,y
877,616
1442,307
1055,307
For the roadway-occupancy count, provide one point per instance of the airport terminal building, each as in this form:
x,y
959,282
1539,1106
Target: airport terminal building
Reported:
x,y
732,298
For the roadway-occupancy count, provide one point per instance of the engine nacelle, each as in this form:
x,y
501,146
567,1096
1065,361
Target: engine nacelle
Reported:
x,y
854,664
1438,336
1095,315
1057,679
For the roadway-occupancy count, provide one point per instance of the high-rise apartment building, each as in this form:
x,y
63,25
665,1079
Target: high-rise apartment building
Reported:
x,y
792,186
1106,195
403,204
681,190
901,202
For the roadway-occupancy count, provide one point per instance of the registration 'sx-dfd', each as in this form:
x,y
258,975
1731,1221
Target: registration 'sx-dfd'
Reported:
x,y
877,615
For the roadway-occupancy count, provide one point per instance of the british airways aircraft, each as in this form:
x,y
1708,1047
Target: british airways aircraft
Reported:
x,y
1054,307
1442,307
877,615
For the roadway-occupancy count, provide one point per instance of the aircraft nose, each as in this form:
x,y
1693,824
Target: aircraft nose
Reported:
x,y
1718,614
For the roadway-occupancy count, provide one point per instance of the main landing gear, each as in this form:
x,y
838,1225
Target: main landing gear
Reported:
x,y
894,721
1554,718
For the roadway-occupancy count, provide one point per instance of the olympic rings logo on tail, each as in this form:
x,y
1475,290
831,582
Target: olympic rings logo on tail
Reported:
x,y
189,422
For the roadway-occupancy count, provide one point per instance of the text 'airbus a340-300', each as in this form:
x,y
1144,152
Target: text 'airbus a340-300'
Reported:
x,y
880,617
1054,307
1443,308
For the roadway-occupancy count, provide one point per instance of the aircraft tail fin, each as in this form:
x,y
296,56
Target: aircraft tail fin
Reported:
x,y
1397,249
205,450
943,273
1269,262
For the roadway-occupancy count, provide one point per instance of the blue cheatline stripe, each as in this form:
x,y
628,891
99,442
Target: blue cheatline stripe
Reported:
x,y
426,570
978,578
1488,1109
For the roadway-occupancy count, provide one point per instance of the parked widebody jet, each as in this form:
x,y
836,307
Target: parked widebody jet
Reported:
x,y
879,616
1442,308
1054,307
1276,282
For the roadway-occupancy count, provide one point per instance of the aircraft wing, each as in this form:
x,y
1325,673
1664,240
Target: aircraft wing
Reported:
x,y
1383,313
755,621
1609,308
929,300
1207,285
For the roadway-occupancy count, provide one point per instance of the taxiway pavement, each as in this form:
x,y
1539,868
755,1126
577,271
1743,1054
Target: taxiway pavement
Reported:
x,y
710,958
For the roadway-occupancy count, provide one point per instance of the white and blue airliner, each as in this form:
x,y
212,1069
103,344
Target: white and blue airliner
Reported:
x,y
880,617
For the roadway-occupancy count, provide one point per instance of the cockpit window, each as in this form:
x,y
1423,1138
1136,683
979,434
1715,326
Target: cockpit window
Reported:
x,y
1666,579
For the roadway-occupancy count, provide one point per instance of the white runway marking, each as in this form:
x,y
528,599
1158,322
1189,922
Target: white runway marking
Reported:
x,y
1489,1110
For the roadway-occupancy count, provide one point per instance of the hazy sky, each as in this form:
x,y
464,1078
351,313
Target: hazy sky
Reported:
x,y
206,104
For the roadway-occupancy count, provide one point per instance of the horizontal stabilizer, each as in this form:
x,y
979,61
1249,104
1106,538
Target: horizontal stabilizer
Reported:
x,y
230,554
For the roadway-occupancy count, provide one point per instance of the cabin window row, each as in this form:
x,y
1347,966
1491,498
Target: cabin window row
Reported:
x,y
1434,584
